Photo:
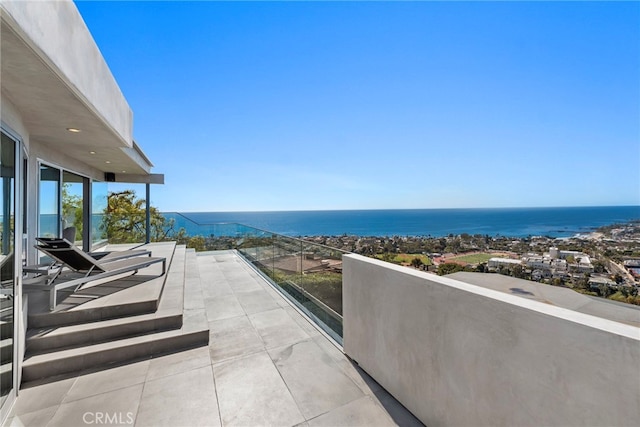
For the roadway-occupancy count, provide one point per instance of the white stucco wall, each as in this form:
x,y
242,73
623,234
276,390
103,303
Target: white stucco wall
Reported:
x,y
12,119
459,355
37,152
73,55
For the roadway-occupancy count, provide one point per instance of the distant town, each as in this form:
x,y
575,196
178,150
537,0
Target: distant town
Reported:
x,y
604,263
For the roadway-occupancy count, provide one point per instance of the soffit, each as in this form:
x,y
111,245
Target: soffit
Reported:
x,y
49,106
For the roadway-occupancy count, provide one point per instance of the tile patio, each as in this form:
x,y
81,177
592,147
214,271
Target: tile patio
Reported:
x,y
265,365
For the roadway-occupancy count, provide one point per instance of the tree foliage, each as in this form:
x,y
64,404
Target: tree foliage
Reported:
x,y
448,268
416,262
72,210
125,220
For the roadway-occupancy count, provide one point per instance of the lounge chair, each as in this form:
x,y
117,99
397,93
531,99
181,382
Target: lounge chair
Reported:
x,y
89,268
105,256
69,233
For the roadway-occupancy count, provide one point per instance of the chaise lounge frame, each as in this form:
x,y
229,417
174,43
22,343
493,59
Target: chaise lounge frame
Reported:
x,y
91,268
103,256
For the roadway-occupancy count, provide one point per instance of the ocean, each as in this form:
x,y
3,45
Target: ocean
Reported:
x,y
512,222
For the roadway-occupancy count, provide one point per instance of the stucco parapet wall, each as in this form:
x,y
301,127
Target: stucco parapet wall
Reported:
x,y
56,32
459,354
562,313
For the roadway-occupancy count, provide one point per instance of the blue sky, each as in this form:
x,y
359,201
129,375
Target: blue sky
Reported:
x,y
365,105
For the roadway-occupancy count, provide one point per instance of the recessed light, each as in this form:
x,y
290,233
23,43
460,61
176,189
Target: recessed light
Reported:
x,y
124,171
73,130
92,152
107,161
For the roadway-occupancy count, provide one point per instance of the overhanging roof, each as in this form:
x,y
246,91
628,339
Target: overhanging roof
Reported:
x,y
50,100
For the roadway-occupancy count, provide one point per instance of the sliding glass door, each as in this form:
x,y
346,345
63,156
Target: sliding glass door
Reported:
x,y
62,207
99,202
73,189
8,150
49,215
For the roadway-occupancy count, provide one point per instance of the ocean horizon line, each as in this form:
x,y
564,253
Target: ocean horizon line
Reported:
x,y
400,209
516,222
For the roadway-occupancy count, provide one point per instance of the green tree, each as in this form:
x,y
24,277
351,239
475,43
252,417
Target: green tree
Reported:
x,y
72,210
388,257
416,262
583,283
605,290
125,218
196,242
557,281
599,267
518,272
448,268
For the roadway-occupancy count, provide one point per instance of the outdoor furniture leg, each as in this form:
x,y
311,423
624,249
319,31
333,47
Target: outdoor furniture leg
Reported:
x,y
52,297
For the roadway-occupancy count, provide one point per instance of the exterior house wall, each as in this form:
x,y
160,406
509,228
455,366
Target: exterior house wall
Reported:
x,y
75,57
458,354
12,123
11,117
54,78
40,152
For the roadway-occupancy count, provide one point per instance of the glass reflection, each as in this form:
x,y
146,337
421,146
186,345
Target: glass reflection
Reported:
x,y
7,264
72,207
49,202
99,199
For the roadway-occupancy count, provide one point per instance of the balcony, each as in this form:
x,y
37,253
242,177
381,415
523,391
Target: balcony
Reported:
x,y
265,363
418,348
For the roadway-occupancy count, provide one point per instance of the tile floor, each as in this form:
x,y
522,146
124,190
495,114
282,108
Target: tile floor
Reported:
x,y
266,365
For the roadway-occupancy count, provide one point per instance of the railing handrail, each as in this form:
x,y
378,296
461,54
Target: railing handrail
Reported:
x,y
319,297
259,229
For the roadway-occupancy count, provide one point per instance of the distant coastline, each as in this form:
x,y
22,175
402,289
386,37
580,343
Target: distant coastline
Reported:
x,y
508,222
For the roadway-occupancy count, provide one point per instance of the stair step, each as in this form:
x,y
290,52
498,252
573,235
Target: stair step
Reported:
x,y
67,318
6,376
6,328
46,340
128,296
126,350
6,304
6,349
65,350
65,343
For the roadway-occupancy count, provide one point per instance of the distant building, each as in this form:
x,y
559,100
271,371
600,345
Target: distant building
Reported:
x,y
557,260
547,265
495,263
632,263
596,281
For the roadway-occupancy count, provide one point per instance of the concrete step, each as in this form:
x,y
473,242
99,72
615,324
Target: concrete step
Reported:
x,y
166,315
130,296
58,351
6,350
194,333
6,376
6,328
6,304
46,340
97,314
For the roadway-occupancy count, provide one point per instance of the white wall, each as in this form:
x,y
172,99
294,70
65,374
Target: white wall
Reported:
x,y
12,118
74,56
460,355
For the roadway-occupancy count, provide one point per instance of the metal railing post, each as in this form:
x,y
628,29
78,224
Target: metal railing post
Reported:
x,y
148,213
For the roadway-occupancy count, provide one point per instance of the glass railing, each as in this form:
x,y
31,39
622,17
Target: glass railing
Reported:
x,y
308,274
